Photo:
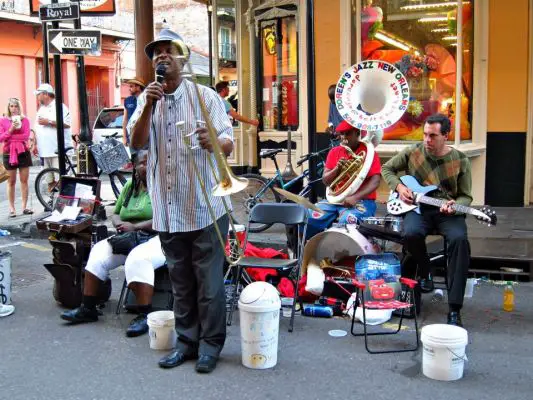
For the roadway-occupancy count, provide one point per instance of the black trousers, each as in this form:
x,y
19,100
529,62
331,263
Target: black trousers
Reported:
x,y
195,262
417,226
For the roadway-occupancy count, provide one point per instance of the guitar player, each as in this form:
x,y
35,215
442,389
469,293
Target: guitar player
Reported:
x,y
432,162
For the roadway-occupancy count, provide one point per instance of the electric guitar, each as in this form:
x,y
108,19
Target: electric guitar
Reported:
x,y
396,206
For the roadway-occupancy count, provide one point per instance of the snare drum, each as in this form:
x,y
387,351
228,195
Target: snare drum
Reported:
x,y
391,223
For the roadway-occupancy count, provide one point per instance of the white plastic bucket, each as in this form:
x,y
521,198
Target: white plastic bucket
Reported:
x,y
259,307
5,277
443,354
162,332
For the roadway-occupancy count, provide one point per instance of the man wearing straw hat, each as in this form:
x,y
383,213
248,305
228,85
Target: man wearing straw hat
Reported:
x,y
188,235
136,86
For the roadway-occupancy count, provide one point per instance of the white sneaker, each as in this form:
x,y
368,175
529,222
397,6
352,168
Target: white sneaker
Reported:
x,y
6,310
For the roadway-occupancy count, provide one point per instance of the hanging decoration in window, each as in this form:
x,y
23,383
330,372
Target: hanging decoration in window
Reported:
x,y
422,40
270,39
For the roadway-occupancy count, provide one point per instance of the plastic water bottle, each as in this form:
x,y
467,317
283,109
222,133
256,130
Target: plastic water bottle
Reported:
x,y
508,297
438,296
3,232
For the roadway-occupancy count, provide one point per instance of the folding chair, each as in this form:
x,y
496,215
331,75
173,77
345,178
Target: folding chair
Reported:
x,y
288,214
384,305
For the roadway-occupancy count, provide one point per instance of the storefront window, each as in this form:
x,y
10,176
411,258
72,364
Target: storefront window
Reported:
x,y
279,73
421,39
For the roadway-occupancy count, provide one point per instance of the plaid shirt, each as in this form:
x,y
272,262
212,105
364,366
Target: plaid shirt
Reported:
x,y
452,172
177,200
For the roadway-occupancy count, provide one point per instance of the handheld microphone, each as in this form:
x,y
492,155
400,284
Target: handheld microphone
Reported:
x,y
160,72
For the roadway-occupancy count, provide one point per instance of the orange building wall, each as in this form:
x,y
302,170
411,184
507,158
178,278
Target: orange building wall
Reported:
x,y
327,56
21,47
508,66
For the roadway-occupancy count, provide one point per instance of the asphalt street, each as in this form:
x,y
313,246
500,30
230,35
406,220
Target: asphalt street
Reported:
x,y
41,357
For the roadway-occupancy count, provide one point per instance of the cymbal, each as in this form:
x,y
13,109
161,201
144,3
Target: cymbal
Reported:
x,y
298,199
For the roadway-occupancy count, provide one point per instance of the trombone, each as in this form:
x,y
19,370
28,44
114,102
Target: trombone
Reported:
x,y
227,182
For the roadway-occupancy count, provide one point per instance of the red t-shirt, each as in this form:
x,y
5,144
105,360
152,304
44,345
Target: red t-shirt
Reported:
x,y
336,153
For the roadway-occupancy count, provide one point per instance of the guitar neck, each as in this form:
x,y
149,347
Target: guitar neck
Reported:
x,y
439,202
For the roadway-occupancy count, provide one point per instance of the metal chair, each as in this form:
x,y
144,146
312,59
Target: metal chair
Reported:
x,y
439,260
288,214
410,285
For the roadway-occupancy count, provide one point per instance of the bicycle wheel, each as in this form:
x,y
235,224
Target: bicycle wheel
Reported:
x,y
47,187
256,192
117,181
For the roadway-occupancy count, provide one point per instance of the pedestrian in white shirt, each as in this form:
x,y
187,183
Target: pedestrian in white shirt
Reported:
x,y
46,128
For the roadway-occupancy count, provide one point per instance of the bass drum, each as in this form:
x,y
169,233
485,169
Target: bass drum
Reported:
x,y
335,244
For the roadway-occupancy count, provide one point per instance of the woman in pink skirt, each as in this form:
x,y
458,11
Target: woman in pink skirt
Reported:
x,y
14,133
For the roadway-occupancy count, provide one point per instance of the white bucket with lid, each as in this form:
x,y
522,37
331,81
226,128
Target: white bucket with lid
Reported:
x,y
443,354
259,306
162,332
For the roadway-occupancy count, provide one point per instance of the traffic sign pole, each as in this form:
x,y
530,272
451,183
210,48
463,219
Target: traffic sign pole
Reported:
x,y
59,108
77,42
85,130
46,61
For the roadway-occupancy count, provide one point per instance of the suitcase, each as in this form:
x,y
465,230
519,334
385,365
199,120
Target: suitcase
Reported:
x,y
67,197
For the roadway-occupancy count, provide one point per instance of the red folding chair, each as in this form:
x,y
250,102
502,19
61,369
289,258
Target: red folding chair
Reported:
x,y
389,304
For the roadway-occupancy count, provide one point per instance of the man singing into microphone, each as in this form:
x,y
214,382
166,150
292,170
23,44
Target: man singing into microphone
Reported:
x,y
194,255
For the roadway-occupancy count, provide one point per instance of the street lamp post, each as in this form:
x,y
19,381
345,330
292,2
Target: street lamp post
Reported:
x,y
210,34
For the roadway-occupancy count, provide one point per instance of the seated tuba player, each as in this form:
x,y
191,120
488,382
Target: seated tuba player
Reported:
x,y
342,163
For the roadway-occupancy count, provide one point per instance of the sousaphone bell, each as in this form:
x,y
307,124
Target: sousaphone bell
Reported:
x,y
371,96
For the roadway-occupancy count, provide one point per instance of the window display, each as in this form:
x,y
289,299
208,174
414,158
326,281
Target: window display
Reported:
x,y
421,39
279,67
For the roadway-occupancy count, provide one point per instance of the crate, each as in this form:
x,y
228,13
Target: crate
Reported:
x,y
67,191
110,155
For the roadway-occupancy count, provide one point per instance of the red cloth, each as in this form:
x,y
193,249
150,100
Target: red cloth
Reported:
x,y
285,286
261,274
336,153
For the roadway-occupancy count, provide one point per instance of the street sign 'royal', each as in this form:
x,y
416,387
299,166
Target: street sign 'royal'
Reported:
x,y
75,41
59,12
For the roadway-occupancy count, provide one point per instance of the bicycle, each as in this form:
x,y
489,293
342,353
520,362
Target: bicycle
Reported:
x,y
46,192
261,189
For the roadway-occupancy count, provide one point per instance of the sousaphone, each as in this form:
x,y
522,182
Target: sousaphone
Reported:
x,y
371,96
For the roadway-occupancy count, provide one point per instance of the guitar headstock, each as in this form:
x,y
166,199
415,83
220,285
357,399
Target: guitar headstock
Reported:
x,y
486,215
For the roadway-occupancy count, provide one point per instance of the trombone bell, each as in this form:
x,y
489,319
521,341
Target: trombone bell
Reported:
x,y
231,185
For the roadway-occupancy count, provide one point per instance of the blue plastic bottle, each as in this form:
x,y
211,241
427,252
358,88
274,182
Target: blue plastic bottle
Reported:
x,y
318,311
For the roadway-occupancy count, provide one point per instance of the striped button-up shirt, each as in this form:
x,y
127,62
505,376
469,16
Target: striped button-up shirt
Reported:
x,y
177,199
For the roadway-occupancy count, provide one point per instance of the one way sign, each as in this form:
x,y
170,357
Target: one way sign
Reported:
x,y
74,41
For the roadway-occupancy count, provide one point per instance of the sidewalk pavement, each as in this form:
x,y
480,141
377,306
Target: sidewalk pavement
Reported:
x,y
24,225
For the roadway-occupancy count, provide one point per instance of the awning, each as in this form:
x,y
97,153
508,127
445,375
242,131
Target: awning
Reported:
x,y
199,64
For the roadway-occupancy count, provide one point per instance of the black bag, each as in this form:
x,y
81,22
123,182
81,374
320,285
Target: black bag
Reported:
x,y
125,242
